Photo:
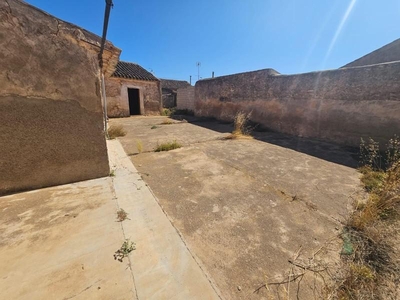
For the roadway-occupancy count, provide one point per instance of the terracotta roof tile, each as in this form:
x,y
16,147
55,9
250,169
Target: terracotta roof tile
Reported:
x,y
133,71
173,84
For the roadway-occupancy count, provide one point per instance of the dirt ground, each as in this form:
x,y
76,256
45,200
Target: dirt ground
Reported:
x,y
246,207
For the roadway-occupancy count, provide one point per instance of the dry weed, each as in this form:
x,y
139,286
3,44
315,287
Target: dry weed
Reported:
x,y
115,131
241,130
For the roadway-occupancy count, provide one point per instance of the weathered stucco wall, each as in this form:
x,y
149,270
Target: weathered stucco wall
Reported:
x,y
339,105
185,98
50,106
387,53
117,96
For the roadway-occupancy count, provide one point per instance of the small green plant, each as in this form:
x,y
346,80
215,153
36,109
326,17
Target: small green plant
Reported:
x,y
154,127
122,215
115,131
126,248
168,146
139,146
372,180
167,112
112,173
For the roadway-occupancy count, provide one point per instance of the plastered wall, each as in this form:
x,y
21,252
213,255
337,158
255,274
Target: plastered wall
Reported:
x,y
340,106
51,121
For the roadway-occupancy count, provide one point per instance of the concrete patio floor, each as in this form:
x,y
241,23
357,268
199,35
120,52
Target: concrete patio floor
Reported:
x,y
246,207
58,243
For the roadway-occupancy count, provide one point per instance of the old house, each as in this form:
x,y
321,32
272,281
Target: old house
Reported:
x,y
131,90
51,113
169,91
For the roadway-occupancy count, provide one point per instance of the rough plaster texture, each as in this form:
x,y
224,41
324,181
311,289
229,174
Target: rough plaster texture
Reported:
x,y
50,105
338,106
117,96
387,53
185,98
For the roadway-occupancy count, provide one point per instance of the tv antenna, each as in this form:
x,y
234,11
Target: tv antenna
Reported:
x,y
198,64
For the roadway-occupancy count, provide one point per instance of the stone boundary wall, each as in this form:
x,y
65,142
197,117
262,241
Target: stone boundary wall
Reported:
x,y
339,106
50,105
185,98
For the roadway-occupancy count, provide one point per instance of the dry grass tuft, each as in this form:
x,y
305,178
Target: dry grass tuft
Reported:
x,y
115,131
168,146
167,122
241,130
371,268
139,146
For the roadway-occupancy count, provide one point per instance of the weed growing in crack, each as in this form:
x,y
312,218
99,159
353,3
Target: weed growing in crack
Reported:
x,y
122,215
126,248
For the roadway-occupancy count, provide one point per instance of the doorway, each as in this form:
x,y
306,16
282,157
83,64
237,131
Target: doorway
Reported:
x,y
134,101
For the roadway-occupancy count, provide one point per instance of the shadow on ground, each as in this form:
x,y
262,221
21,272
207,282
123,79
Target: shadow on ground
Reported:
x,y
346,156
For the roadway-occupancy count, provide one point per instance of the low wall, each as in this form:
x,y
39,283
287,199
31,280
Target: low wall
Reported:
x,y
117,96
185,98
338,105
50,106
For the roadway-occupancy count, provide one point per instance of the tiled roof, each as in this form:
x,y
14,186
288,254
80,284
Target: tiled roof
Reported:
x,y
133,71
173,84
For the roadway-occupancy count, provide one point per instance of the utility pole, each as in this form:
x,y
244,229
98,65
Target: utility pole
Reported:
x,y
109,4
198,64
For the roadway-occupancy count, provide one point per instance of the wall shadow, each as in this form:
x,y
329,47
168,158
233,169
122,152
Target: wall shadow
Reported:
x,y
346,156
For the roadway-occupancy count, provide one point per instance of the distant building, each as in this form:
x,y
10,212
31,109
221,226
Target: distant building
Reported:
x,y
385,54
131,90
169,91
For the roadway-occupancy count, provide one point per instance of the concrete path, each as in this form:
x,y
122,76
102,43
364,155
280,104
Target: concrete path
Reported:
x,y
58,243
162,266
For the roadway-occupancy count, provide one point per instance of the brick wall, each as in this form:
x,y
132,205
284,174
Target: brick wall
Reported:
x,y
185,98
338,105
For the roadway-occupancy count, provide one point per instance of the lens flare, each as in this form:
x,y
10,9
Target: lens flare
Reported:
x,y
340,27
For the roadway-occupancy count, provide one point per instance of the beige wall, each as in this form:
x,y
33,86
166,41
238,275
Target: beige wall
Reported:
x,y
117,96
338,106
185,98
50,106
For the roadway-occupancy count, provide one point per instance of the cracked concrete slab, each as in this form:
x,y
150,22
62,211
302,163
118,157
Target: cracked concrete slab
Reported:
x,y
162,265
59,242
245,207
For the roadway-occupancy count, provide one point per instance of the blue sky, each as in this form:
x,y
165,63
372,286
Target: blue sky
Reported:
x,y
168,37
